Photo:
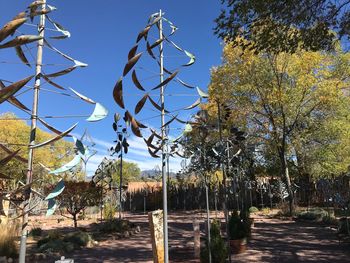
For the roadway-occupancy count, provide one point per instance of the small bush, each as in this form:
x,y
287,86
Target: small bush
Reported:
x,y
80,239
266,211
315,214
54,242
217,246
253,209
116,225
36,232
7,240
109,211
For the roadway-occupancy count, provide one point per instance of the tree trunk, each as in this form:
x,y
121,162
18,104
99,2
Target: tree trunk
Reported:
x,y
75,220
285,173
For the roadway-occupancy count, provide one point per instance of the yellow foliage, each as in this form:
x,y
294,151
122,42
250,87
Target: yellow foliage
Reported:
x,y
14,134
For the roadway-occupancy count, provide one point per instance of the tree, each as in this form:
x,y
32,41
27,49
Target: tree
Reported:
x,y
284,26
278,97
14,134
131,172
77,196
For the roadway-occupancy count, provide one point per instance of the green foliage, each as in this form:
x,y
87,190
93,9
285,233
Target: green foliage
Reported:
x,y
284,26
56,242
217,245
36,232
314,214
8,240
77,196
109,211
131,172
79,238
293,105
239,226
115,225
253,209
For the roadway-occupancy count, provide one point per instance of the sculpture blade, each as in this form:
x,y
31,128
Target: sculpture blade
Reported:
x,y
10,90
10,27
58,137
22,56
167,80
141,103
136,81
131,63
118,93
100,112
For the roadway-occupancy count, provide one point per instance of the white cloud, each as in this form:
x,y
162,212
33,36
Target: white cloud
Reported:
x,y
138,154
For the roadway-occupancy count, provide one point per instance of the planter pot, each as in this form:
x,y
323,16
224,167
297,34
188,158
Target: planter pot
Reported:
x,y
238,246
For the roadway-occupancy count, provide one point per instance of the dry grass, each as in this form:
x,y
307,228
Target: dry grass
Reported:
x,y
8,235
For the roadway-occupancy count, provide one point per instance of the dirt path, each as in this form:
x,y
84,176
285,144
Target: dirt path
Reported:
x,y
273,241
290,242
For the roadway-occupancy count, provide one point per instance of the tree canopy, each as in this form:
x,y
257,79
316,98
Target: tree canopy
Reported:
x,y
284,26
14,134
291,104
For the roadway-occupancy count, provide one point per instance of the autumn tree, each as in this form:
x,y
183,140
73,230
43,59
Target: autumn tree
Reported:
x,y
77,196
281,97
14,134
284,26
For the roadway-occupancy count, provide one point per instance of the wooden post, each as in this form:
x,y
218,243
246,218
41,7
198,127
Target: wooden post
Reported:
x,y
197,238
155,219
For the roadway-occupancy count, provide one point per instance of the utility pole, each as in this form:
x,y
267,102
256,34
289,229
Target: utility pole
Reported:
x,y
34,117
164,179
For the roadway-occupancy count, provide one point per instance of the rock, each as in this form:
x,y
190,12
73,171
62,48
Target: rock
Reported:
x,y
3,260
9,260
126,234
138,229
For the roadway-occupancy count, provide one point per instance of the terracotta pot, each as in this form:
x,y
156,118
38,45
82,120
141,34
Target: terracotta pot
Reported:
x,y
238,246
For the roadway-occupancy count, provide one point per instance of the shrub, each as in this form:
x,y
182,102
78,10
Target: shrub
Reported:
x,y
55,242
265,211
115,225
238,227
36,232
109,211
253,209
80,238
315,214
7,240
217,246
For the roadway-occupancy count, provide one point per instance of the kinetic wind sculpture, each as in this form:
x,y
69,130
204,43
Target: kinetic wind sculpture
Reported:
x,y
10,93
157,141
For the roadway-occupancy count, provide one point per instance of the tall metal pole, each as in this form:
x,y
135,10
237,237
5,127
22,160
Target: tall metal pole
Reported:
x,y
34,116
120,184
224,182
164,179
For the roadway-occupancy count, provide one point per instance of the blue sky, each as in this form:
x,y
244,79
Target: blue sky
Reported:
x,y
102,33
